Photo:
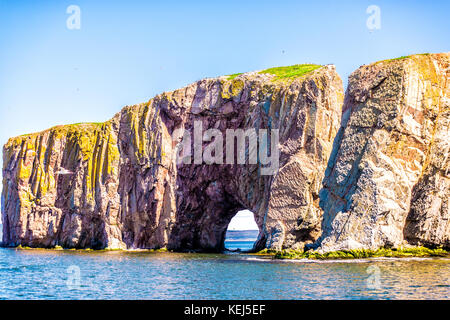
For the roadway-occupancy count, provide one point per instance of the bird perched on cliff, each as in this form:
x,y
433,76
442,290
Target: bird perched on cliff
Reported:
x,y
63,171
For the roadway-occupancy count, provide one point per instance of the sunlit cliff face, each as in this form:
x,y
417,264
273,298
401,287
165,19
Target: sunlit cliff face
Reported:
x,y
123,188
378,178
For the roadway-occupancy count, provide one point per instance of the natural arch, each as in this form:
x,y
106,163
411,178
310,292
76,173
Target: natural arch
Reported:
x,y
284,202
127,179
209,197
242,232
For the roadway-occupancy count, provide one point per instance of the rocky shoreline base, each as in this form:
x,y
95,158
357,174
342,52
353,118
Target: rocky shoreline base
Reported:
x,y
407,252
402,252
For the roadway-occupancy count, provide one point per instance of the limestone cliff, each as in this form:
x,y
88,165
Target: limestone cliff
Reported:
x,y
387,181
118,184
377,178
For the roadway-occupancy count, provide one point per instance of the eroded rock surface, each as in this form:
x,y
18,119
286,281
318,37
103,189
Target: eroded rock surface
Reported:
x,y
378,178
387,182
119,185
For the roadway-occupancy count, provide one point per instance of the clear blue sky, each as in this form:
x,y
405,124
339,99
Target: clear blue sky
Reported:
x,y
128,51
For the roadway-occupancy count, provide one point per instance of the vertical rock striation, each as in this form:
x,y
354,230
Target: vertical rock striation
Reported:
x,y
119,185
306,112
153,176
387,179
60,187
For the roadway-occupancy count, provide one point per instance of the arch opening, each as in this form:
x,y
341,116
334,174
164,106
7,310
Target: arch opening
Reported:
x,y
242,232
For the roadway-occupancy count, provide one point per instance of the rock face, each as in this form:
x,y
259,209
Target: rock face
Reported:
x,y
174,171
387,181
121,184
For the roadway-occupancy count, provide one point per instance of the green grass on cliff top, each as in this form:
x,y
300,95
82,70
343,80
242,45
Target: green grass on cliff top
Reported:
x,y
288,72
67,126
232,76
403,57
294,71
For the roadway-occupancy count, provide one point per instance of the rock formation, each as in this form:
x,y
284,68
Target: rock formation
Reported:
x,y
120,184
163,174
387,181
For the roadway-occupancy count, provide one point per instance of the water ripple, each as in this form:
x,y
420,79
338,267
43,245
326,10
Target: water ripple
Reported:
x,y
121,275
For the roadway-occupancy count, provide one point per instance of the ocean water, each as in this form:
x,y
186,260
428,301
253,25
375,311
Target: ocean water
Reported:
x,y
50,274
240,239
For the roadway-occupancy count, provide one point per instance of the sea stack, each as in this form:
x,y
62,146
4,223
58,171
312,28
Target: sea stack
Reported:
x,y
119,184
366,171
387,183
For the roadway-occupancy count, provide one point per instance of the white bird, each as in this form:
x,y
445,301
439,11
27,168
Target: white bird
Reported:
x,y
63,171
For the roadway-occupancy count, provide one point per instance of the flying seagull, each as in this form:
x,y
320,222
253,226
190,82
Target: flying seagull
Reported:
x,y
63,171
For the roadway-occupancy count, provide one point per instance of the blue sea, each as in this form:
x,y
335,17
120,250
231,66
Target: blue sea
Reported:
x,y
240,239
65,274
